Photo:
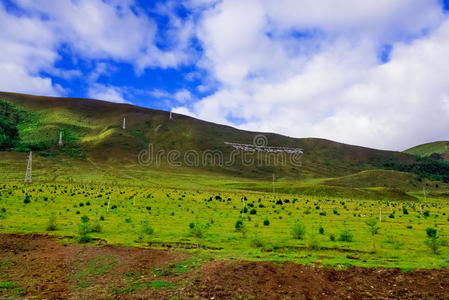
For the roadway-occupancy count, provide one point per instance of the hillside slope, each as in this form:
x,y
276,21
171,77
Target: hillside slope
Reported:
x,y
437,150
93,132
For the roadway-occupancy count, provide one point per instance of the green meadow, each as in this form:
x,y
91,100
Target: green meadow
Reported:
x,y
247,225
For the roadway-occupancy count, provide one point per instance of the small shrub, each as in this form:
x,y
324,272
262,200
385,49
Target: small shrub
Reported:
x,y
298,231
197,230
433,240
332,237
147,228
96,228
51,224
346,236
431,232
239,225
84,239
426,213
266,222
257,243
321,230
27,199
314,243
84,229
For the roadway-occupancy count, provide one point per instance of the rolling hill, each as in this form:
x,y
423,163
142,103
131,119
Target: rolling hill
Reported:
x,y
94,140
436,150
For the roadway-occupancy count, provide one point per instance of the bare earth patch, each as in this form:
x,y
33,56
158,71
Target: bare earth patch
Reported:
x,y
39,266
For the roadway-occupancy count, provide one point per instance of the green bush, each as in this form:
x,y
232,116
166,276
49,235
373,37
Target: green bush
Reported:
x,y
346,236
433,240
314,244
51,224
431,232
266,222
321,230
239,225
298,231
9,119
147,228
83,239
96,228
197,230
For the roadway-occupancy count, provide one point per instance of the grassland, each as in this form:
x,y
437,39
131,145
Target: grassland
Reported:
x,y
205,221
429,149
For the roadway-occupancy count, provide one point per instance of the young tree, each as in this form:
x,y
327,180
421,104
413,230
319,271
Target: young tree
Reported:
x,y
373,229
298,231
433,240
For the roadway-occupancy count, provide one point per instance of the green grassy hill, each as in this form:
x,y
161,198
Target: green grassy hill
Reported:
x,y
439,150
94,131
96,144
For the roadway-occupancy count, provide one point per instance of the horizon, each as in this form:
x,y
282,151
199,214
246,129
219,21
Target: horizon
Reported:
x,y
367,74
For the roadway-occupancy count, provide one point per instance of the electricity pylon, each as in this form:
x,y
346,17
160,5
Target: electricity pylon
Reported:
x,y
28,174
60,138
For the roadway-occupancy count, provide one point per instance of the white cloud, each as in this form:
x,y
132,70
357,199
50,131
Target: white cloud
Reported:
x,y
107,93
329,82
181,96
90,29
117,30
27,47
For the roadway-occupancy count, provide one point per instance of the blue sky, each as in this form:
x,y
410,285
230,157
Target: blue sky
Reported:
x,y
363,72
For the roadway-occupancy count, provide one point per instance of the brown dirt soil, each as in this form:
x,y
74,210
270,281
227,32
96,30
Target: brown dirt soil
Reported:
x,y
48,269
267,280
42,267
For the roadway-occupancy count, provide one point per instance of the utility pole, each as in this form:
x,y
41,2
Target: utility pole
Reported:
x,y
274,179
124,123
29,170
60,138
171,116
380,214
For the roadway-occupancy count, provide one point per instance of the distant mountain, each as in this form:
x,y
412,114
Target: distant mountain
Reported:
x,y
435,150
93,133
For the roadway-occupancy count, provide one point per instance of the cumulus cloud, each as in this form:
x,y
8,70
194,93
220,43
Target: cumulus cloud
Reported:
x,y
312,68
23,55
92,30
181,96
107,93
